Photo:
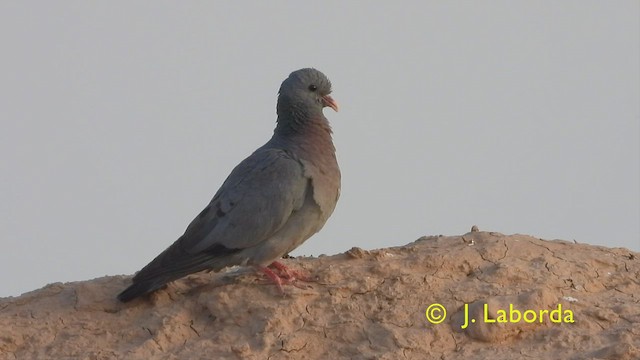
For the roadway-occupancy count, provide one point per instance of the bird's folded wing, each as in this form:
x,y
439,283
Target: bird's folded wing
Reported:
x,y
254,202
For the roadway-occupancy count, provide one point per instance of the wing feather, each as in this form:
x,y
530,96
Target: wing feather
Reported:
x,y
270,183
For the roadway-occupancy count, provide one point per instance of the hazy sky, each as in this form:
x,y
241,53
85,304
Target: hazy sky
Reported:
x,y
120,120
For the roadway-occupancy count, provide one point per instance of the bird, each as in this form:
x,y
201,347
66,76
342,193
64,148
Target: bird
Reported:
x,y
271,202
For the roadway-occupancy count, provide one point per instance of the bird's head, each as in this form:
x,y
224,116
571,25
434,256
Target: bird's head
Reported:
x,y
304,94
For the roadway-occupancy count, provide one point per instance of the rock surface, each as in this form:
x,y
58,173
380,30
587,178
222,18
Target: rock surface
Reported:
x,y
363,305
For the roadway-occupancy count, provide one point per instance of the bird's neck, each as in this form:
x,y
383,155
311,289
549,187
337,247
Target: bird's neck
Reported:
x,y
307,125
310,132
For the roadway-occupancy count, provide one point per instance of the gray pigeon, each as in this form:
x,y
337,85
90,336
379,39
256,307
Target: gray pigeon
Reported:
x,y
271,202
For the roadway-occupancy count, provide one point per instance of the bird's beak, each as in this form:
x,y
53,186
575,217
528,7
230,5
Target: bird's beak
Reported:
x,y
328,101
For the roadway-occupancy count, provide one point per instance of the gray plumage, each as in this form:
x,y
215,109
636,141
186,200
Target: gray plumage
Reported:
x,y
271,202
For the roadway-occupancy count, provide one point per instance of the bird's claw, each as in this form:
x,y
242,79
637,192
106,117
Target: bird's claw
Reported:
x,y
289,274
284,276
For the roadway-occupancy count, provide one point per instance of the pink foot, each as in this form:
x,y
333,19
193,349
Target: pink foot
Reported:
x,y
273,276
283,275
290,274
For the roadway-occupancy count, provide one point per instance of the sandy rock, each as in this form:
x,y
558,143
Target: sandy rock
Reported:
x,y
363,305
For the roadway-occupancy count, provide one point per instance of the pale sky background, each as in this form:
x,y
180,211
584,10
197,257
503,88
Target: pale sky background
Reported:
x,y
120,120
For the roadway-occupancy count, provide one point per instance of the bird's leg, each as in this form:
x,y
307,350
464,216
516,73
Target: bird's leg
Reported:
x,y
273,276
289,274
283,276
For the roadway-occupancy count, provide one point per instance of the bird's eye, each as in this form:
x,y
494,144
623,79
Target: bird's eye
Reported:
x,y
313,87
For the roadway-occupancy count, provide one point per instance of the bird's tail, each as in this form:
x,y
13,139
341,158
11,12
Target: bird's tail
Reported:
x,y
172,264
157,273
144,283
140,288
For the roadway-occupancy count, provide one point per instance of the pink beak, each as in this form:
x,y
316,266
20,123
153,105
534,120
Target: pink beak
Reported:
x,y
328,101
